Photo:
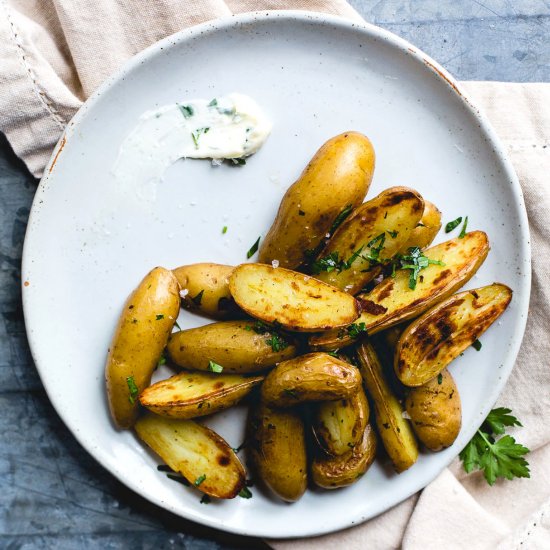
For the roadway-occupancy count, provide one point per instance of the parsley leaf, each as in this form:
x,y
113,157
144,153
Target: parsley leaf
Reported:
x,y
199,480
205,499
276,342
463,230
159,316
238,161
355,329
501,457
451,225
186,110
134,391
224,230
213,103
253,249
477,345
197,134
340,218
214,367
392,234
440,379
245,493
415,261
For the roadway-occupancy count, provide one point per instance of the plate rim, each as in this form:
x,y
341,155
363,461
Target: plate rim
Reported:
x,y
290,16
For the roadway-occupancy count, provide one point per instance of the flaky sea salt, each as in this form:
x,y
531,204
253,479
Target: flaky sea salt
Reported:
x,y
184,292
275,263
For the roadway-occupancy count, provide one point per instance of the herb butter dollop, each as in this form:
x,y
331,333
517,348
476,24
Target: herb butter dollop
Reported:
x,y
228,127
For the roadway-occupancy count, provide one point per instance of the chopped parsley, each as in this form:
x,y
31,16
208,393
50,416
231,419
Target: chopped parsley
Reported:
x,y
176,324
501,457
186,110
392,234
477,345
213,103
197,134
159,316
463,230
162,361
224,229
451,225
205,499
253,249
276,342
333,353
245,493
415,261
355,329
198,298
440,379
238,161
199,480
214,367
134,392
340,218
332,262
375,247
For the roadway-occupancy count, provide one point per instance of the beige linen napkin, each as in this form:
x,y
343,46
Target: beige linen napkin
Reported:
x,y
56,52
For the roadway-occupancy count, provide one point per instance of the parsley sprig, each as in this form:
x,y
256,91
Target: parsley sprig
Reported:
x,y
275,340
415,261
501,457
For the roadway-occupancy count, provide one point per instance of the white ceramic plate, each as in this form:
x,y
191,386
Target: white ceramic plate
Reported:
x,y
87,245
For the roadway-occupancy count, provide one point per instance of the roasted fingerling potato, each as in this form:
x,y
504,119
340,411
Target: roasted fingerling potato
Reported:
x,y
435,411
198,453
237,346
292,300
433,340
393,301
143,329
333,472
193,394
339,425
394,430
277,449
336,179
371,236
205,290
310,377
427,229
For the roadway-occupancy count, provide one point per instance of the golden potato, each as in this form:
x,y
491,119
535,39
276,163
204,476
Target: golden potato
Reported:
x,y
277,449
394,430
435,411
339,425
332,472
199,454
311,377
336,179
141,334
427,229
205,289
290,299
393,301
194,394
433,340
238,346
371,236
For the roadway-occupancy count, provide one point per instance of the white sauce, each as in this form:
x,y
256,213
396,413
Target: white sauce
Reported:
x,y
229,127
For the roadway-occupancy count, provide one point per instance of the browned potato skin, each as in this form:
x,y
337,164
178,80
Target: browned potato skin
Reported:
x,y
339,425
395,431
294,301
139,340
194,394
433,340
396,209
428,228
194,450
213,280
340,471
310,377
379,310
277,449
232,344
435,411
338,176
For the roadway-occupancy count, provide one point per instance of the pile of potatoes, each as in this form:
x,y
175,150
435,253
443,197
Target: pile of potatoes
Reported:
x,y
318,333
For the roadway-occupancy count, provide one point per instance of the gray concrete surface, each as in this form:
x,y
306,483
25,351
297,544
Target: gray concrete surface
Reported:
x,y
52,494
